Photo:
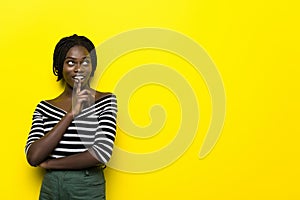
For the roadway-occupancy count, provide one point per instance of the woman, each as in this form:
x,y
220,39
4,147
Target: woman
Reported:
x,y
72,136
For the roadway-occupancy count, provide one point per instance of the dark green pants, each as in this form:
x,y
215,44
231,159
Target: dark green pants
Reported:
x,y
86,184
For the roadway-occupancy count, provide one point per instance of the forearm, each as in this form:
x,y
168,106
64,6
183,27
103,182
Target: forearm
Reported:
x,y
40,149
77,161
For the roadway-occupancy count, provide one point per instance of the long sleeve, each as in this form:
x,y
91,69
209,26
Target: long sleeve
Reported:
x,y
37,129
106,130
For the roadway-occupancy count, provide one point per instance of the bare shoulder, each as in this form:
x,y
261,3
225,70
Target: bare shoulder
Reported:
x,y
53,101
60,102
100,95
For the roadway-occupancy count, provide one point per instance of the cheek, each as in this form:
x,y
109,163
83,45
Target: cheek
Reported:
x,y
89,71
66,71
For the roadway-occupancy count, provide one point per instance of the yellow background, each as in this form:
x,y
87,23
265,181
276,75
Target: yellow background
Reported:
x,y
255,45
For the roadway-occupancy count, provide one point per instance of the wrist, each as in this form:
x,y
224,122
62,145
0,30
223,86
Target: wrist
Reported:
x,y
70,115
45,164
51,164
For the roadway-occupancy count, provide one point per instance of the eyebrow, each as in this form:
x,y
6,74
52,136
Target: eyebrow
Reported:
x,y
69,57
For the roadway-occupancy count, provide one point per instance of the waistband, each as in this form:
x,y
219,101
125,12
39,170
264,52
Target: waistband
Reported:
x,y
87,171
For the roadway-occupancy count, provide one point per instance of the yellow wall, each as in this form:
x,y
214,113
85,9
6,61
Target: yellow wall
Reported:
x,y
255,47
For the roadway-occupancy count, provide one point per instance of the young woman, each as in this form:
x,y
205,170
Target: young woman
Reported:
x,y
72,136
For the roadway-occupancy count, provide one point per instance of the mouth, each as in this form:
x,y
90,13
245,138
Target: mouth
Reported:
x,y
78,77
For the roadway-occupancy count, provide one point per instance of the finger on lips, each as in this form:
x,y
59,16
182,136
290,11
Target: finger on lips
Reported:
x,y
78,86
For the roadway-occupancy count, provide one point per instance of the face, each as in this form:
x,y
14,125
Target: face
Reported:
x,y
77,65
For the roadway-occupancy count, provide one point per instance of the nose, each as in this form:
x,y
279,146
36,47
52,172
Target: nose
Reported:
x,y
77,67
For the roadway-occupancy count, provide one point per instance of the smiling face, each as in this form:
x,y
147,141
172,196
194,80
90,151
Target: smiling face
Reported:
x,y
77,65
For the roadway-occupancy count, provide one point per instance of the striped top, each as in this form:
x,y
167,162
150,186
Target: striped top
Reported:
x,y
94,128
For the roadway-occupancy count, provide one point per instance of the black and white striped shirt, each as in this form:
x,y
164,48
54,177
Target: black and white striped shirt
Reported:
x,y
93,129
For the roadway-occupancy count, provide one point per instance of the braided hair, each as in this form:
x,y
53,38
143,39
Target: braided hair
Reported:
x,y
62,48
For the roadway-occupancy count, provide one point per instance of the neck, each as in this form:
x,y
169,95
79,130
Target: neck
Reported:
x,y
68,92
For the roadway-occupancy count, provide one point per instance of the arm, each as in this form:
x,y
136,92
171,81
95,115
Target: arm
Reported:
x,y
41,148
76,161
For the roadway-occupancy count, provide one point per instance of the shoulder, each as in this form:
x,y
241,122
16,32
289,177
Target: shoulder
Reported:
x,y
39,109
52,101
49,107
104,95
40,105
106,101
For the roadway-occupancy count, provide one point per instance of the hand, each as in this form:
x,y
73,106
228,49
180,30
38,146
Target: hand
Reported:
x,y
81,98
44,164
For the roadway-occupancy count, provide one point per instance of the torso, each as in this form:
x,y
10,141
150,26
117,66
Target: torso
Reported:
x,y
80,134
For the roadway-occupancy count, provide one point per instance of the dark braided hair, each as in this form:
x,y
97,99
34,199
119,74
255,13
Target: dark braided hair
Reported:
x,y
62,48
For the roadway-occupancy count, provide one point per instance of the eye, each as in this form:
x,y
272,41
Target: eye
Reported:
x,y
70,62
86,63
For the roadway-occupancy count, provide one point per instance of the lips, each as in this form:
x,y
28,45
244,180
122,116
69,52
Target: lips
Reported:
x,y
78,77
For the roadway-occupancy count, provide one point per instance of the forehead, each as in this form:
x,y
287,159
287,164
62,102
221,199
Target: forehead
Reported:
x,y
77,52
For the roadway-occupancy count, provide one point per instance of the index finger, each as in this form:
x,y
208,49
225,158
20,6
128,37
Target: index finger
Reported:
x,y
78,85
